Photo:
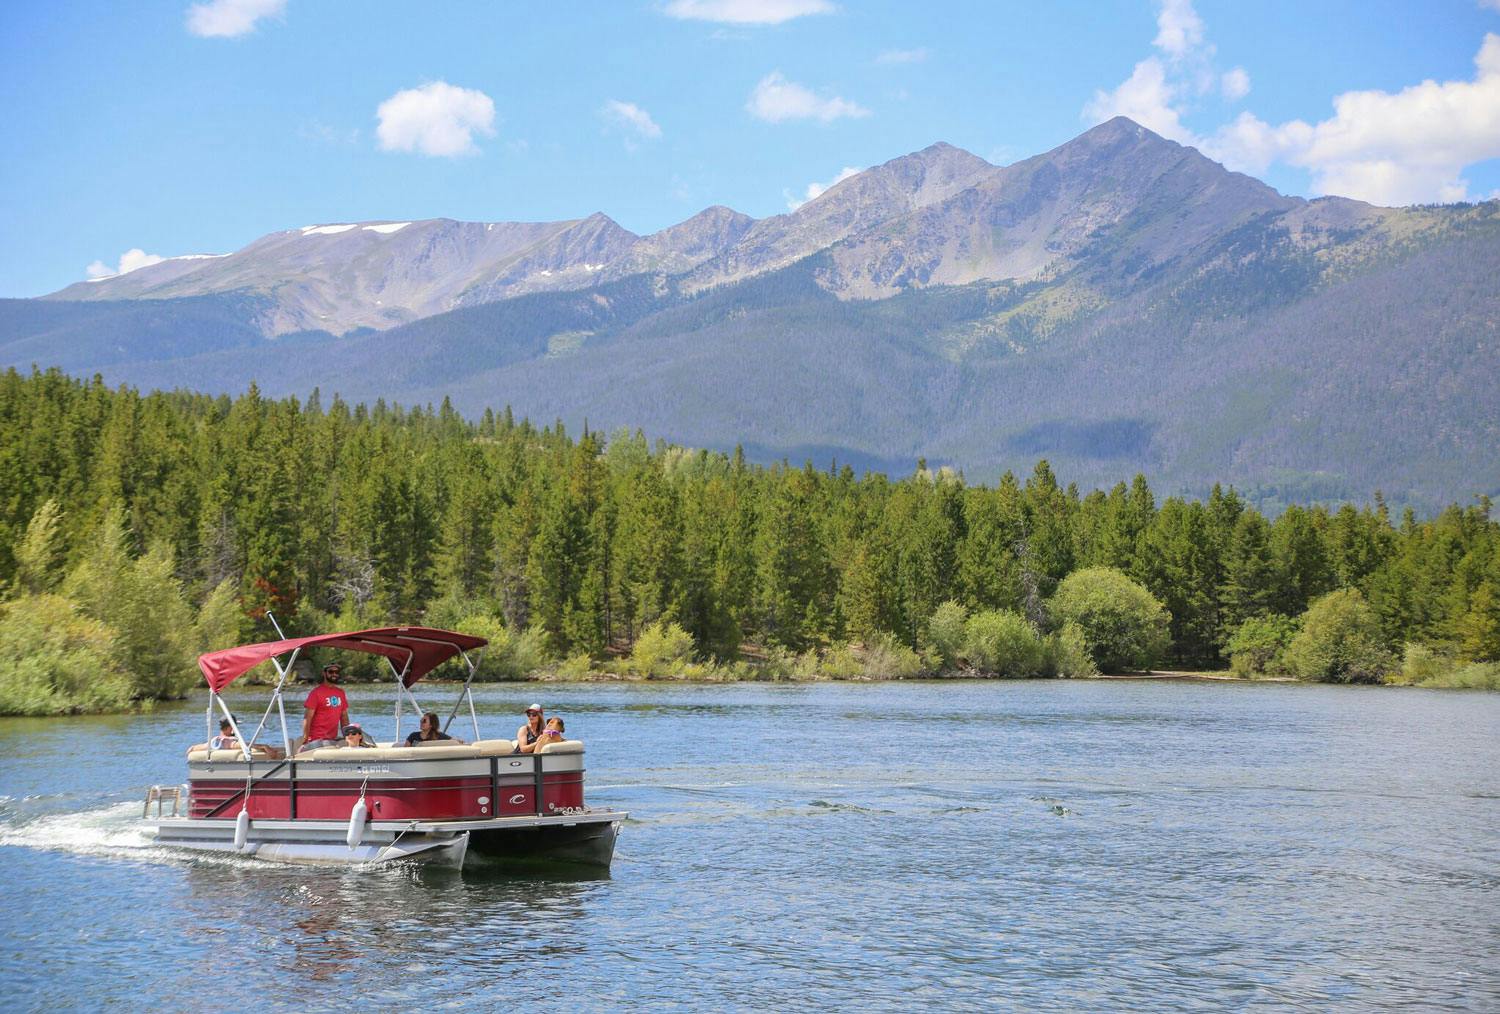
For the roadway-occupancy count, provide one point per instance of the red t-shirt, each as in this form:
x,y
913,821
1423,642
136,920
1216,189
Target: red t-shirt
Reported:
x,y
328,705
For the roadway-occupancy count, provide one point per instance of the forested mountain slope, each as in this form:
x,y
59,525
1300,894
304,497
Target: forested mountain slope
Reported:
x,y
1120,303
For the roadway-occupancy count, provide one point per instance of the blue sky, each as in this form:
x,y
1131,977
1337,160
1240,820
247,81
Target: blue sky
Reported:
x,y
179,128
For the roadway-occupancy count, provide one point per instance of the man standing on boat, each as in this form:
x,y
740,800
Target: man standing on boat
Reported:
x,y
325,712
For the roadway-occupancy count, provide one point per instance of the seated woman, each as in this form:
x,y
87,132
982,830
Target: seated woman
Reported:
x,y
553,733
526,735
226,740
354,736
430,731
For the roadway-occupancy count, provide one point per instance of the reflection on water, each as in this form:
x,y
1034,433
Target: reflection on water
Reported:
x,y
946,845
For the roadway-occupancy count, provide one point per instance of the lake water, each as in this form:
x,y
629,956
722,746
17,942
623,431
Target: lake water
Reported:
x,y
1153,845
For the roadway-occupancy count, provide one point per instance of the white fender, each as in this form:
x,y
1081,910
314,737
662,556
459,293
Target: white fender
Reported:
x,y
357,819
241,830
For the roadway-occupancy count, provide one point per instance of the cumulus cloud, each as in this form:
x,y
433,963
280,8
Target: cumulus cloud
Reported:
x,y
746,12
436,119
816,190
1148,98
914,55
1154,93
1391,148
1179,30
226,19
1405,147
776,99
1235,84
130,260
631,118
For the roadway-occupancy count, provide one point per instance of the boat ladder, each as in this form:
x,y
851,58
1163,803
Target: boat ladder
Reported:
x,y
161,795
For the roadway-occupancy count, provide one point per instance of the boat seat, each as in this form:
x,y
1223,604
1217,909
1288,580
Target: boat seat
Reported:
x,y
566,746
356,754
218,755
496,747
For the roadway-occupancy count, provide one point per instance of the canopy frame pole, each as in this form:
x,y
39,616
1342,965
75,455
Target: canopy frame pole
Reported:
x,y
401,688
286,736
281,673
464,694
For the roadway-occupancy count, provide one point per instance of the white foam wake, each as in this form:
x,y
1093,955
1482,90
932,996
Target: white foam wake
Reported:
x,y
109,831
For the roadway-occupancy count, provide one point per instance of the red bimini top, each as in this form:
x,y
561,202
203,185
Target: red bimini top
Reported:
x,y
415,651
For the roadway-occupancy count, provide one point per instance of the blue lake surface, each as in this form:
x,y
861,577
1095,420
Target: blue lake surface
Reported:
x,y
961,845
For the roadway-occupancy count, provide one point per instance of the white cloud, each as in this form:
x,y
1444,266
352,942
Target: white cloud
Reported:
x,y
130,260
1391,148
1493,5
776,99
1406,147
915,55
1148,98
227,18
1153,94
746,12
631,117
1235,84
1179,30
436,119
816,190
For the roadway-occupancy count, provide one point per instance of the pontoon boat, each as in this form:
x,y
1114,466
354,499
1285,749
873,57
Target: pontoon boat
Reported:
x,y
436,802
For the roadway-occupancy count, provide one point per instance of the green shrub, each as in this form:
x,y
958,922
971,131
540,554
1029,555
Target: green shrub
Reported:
x,y
451,611
1006,644
221,621
663,649
947,631
54,660
525,652
1258,646
841,663
1339,642
1068,653
1123,623
576,667
143,602
1474,676
1420,664
885,657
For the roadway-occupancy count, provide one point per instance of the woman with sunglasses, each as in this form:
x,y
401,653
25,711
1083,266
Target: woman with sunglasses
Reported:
x,y
528,734
431,731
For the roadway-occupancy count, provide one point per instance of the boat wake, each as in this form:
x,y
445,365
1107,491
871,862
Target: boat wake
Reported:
x,y
114,830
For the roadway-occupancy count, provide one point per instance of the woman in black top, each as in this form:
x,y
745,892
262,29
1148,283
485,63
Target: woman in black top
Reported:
x,y
429,731
526,735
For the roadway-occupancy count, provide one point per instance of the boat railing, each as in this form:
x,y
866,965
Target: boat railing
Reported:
x,y
161,795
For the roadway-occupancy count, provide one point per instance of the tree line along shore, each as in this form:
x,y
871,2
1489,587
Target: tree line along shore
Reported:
x,y
139,530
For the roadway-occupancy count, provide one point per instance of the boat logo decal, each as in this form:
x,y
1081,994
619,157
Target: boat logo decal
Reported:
x,y
518,798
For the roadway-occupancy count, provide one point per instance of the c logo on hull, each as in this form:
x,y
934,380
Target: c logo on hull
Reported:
x,y
517,799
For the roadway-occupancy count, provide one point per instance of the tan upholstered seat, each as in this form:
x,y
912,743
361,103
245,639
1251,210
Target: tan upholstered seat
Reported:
x,y
495,747
218,755
566,746
357,755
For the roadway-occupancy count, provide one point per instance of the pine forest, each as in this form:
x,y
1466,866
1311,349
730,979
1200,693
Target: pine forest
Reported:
x,y
139,530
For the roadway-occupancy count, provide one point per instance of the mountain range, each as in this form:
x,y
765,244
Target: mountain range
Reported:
x,y
1118,304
